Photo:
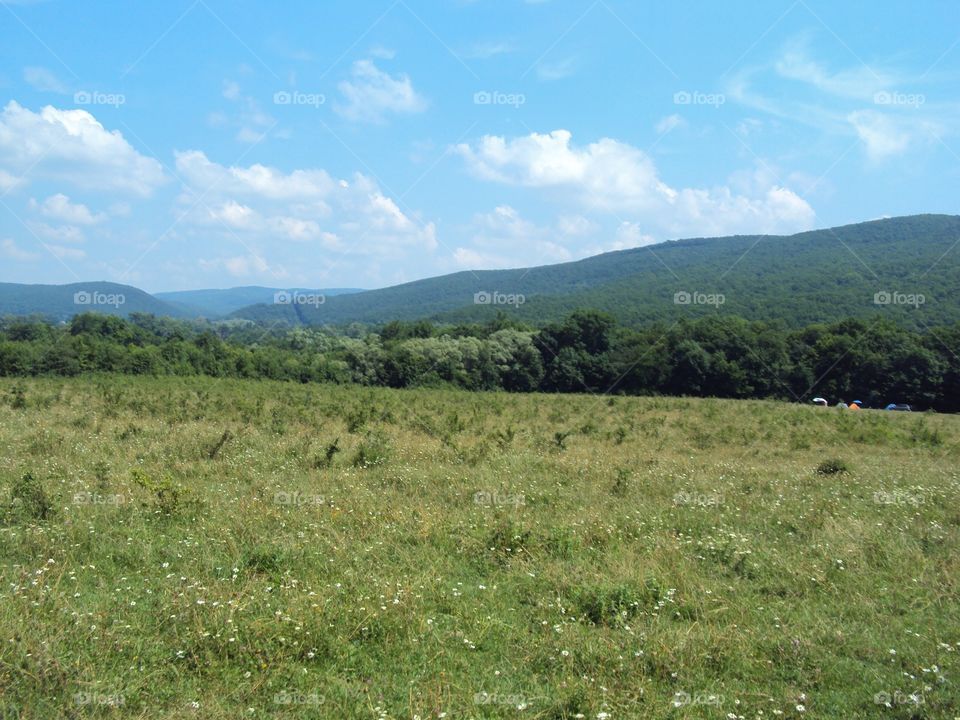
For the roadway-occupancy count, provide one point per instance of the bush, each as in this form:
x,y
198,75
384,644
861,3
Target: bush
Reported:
x,y
29,500
832,467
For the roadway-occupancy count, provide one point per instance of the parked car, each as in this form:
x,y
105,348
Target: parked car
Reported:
x,y
898,406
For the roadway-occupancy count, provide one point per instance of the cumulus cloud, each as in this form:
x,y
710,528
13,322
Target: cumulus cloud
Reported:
x,y
73,147
502,238
59,207
305,205
617,177
371,94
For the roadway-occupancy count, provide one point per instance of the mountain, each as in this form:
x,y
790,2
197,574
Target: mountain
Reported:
x,y
61,302
216,303
907,268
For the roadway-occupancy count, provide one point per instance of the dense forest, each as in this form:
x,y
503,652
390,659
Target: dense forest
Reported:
x,y
818,276
723,356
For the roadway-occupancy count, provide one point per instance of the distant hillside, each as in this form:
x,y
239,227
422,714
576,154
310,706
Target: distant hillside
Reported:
x,y
61,302
216,303
814,276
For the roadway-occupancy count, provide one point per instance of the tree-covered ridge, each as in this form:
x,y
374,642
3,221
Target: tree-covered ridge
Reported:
x,y
818,276
875,361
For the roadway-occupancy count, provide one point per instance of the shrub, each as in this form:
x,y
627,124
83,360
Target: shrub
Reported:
x,y
29,500
832,467
373,450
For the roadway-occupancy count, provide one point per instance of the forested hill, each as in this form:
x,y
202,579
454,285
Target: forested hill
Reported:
x,y
62,302
816,276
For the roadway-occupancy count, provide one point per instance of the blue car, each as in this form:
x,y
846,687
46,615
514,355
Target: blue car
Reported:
x,y
898,406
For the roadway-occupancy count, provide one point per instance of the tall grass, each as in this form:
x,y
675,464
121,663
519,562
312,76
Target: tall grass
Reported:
x,y
221,549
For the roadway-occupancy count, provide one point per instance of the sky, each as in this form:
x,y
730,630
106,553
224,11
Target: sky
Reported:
x,y
206,144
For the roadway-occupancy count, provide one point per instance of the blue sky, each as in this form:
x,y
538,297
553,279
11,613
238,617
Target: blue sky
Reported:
x,y
205,143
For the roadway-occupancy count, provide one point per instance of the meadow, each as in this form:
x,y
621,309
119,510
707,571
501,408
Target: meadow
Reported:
x,y
212,548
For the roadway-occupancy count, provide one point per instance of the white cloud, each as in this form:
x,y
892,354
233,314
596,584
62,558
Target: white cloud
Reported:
x,y
502,239
617,177
67,253
370,94
256,180
882,135
59,207
305,205
41,79
72,146
670,122
859,82
557,70
7,181
487,49
59,233
11,250
231,89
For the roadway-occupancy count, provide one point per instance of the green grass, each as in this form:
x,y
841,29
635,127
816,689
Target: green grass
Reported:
x,y
278,550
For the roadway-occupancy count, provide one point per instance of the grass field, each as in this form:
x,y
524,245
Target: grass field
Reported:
x,y
178,548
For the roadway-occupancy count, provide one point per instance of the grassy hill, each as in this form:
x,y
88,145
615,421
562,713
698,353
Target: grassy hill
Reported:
x,y
177,548
216,303
61,302
809,277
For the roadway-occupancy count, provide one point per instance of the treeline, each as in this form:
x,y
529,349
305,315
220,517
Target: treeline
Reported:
x,y
877,362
